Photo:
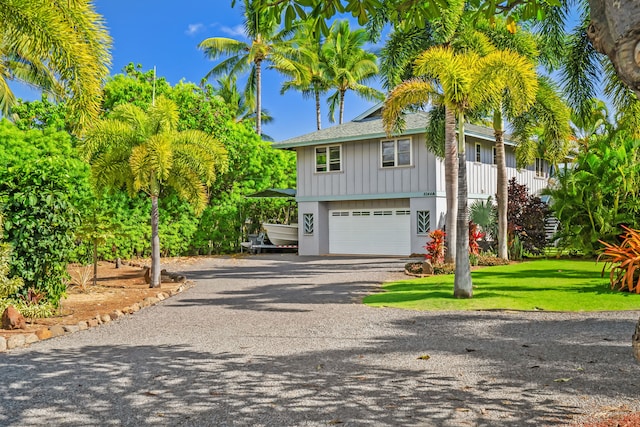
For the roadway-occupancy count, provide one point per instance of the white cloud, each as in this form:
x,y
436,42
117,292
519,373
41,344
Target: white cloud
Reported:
x,y
194,29
235,31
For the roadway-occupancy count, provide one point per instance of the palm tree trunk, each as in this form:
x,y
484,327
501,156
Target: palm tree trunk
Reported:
x,y
259,97
463,288
155,244
341,105
318,115
502,193
451,184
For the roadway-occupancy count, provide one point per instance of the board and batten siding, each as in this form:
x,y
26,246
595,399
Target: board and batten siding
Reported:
x,y
362,173
482,176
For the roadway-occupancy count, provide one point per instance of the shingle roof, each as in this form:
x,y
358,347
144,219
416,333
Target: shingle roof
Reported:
x,y
369,126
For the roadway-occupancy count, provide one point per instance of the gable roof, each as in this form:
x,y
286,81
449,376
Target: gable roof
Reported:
x,y
369,126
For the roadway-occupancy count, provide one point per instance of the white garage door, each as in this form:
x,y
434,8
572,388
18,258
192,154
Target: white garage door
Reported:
x,y
370,231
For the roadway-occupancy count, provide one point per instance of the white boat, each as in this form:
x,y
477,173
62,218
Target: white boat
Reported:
x,y
282,234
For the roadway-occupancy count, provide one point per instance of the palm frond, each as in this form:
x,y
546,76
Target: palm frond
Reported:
x,y
412,93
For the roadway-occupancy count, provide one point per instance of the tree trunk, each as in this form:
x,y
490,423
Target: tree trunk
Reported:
x,y
502,193
615,31
95,262
155,245
318,112
259,97
450,184
463,287
341,105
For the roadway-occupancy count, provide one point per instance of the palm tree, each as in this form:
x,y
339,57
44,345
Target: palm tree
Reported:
x,y
144,152
61,48
304,63
467,81
265,41
237,102
349,66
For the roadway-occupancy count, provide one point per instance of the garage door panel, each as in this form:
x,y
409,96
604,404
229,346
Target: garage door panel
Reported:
x,y
372,232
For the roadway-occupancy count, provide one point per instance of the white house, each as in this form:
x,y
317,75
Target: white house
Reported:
x,y
360,192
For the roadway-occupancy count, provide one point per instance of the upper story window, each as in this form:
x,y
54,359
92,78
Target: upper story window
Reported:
x,y
478,158
540,167
495,156
395,152
329,158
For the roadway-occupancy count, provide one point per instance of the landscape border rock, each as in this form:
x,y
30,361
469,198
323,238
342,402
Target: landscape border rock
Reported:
x,y
22,340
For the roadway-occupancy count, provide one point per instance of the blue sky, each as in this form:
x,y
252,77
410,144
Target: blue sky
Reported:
x,y
166,35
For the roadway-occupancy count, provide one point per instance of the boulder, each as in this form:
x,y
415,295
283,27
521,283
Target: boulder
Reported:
x,y
12,319
43,334
427,268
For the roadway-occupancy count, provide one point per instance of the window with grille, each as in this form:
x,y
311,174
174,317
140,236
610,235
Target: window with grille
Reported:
x,y
329,158
308,223
495,156
424,222
396,152
478,158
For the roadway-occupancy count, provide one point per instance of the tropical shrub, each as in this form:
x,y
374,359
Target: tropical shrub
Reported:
x,y
623,261
526,216
475,235
42,182
601,192
485,214
435,248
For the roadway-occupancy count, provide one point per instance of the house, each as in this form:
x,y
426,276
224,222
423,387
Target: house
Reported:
x,y
361,192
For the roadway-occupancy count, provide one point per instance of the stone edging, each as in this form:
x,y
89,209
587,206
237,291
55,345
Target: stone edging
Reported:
x,y
25,339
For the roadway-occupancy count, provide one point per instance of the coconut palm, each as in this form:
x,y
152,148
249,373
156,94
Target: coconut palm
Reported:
x,y
143,152
240,56
304,63
61,48
349,66
237,102
468,81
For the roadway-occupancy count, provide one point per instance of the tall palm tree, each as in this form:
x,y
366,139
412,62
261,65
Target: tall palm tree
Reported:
x,y
143,152
237,102
349,66
265,37
468,81
60,47
519,88
305,65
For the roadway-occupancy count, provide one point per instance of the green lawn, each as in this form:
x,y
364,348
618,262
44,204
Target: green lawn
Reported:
x,y
554,285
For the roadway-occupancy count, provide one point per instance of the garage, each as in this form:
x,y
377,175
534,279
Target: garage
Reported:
x,y
370,232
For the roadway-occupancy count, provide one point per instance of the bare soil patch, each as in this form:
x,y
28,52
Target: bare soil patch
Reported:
x,y
116,289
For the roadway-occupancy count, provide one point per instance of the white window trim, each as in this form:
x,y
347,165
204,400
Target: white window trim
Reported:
x,y
328,163
477,153
395,160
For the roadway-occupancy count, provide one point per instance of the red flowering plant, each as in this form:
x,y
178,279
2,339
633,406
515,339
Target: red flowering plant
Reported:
x,y
435,248
475,235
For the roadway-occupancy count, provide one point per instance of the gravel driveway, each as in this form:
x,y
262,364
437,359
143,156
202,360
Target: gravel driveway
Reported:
x,y
281,340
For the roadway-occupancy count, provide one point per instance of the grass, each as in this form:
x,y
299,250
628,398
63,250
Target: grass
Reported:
x,y
552,285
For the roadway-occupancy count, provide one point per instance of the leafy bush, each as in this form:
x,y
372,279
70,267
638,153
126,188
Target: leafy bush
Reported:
x,y
600,193
435,248
623,261
490,260
42,183
475,236
444,269
485,214
526,215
